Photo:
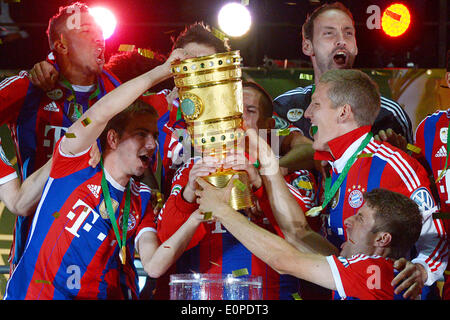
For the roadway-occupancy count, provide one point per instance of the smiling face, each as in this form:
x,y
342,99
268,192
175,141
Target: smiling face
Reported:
x,y
137,144
333,45
85,45
360,238
324,115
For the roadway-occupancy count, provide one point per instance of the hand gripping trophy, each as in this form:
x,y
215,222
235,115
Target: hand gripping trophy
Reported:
x,y
210,91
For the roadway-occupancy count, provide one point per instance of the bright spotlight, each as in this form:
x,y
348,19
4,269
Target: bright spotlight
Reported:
x,y
396,20
234,19
105,19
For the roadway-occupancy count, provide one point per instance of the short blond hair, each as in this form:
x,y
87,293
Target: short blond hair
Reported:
x,y
355,88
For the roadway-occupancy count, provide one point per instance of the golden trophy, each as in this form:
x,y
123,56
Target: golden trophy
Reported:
x,y
210,91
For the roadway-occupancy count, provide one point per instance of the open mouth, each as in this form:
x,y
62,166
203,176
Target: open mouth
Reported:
x,y
340,57
145,160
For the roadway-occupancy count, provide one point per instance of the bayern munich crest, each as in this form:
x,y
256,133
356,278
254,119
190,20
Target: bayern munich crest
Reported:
x,y
355,198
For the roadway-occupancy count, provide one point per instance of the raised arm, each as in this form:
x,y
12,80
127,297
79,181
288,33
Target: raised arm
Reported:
x,y
22,199
272,249
285,208
156,258
83,133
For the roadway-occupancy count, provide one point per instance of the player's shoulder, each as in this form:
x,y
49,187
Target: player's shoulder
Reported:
x,y
434,117
365,260
21,79
296,93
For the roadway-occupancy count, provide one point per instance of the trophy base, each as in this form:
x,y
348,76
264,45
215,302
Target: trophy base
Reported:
x,y
241,196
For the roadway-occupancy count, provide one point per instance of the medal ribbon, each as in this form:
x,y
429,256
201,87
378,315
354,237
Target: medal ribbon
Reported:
x,y
112,218
95,94
330,192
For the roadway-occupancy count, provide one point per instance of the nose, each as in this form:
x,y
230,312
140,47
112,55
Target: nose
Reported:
x,y
150,142
348,223
308,112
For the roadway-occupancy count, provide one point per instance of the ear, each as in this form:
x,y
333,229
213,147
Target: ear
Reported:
x,y
307,47
112,139
447,78
60,45
345,114
383,240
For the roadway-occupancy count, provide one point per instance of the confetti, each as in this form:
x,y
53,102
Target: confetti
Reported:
x,y
218,34
216,264
56,215
365,155
43,281
313,212
126,47
207,216
413,148
240,272
71,98
305,76
167,247
238,184
70,135
146,53
296,296
283,132
85,122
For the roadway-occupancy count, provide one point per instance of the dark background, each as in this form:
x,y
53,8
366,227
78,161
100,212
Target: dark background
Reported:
x,y
275,31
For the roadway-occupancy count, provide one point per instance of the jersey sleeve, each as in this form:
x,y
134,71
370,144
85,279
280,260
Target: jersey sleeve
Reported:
x,y
362,277
7,171
13,92
157,100
147,223
176,211
64,165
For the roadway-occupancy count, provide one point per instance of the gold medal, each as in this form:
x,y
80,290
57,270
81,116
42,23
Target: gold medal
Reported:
x,y
123,255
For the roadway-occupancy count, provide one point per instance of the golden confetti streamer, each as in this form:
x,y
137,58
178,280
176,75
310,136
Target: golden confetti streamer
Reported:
x,y
43,281
85,122
70,135
56,215
314,212
71,97
218,34
239,184
126,47
240,272
283,132
365,155
305,76
296,296
216,264
207,216
146,53
413,148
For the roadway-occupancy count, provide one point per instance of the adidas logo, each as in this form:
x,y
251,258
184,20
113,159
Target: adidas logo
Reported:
x,y
94,189
51,107
442,152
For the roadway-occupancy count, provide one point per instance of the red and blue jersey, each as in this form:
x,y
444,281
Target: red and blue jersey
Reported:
x,y
381,165
363,277
71,250
431,137
7,171
37,120
213,249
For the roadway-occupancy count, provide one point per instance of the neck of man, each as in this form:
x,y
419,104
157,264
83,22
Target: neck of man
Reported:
x,y
74,74
115,169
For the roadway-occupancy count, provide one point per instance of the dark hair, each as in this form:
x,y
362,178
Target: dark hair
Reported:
x,y
120,121
200,33
266,101
308,26
56,22
127,65
398,215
